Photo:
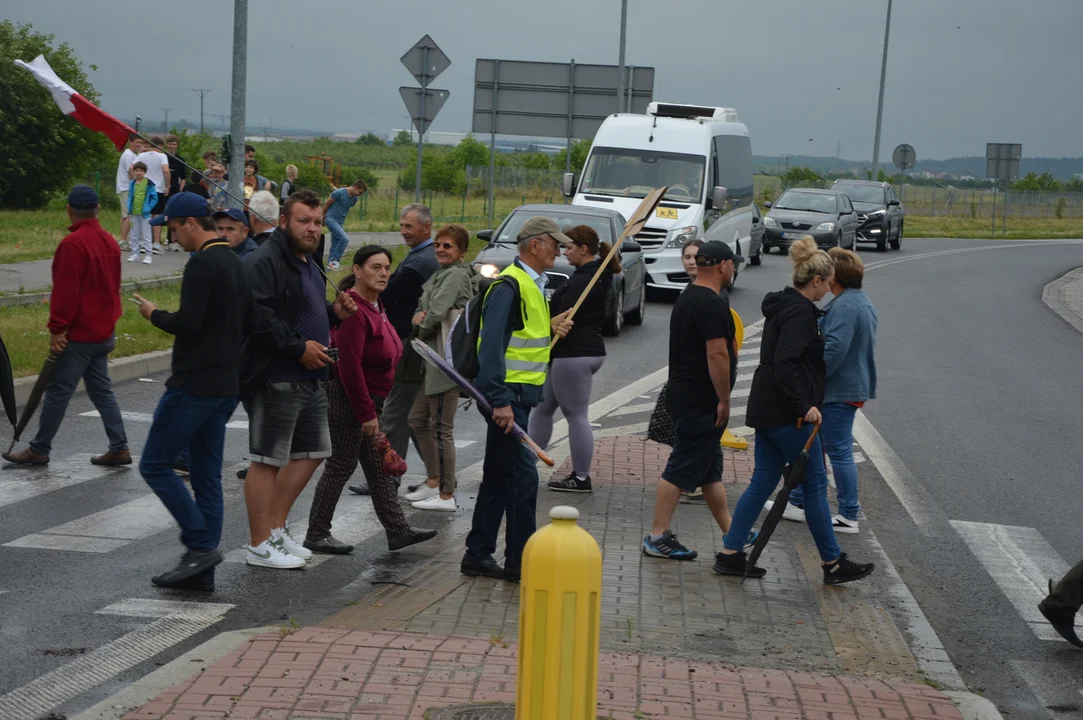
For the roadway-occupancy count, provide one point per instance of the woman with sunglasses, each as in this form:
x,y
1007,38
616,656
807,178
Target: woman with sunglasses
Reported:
x,y
432,417
368,350
576,358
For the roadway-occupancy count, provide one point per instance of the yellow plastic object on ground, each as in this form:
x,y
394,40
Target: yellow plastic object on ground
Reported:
x,y
560,619
729,439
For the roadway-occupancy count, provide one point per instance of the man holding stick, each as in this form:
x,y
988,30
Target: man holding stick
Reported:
x,y
513,359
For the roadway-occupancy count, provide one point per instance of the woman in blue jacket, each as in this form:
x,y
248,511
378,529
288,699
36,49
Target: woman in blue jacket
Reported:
x,y
849,330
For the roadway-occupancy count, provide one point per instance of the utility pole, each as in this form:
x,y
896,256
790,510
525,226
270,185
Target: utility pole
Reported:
x,y
620,57
236,125
880,103
202,92
165,124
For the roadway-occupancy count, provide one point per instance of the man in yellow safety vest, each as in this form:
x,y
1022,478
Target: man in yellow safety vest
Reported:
x,y
513,358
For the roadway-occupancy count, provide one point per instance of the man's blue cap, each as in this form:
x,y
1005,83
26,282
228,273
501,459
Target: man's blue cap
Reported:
x,y
82,197
232,213
183,205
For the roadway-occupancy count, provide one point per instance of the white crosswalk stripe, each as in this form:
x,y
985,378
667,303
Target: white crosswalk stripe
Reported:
x,y
25,482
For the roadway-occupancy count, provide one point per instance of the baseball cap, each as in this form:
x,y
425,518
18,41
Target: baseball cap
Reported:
x,y
183,205
233,214
82,197
541,225
716,253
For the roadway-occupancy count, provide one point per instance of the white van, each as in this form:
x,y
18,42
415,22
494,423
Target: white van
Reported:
x,y
702,153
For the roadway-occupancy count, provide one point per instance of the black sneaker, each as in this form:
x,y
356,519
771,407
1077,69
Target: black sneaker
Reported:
x,y
573,483
667,546
845,570
736,564
192,564
203,582
486,567
359,489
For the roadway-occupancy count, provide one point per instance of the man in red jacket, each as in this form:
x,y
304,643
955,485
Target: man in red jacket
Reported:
x,y
83,312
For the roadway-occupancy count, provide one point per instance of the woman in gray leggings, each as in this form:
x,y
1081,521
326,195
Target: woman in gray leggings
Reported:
x,y
576,358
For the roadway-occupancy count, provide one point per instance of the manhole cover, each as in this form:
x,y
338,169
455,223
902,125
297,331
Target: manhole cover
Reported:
x,y
498,711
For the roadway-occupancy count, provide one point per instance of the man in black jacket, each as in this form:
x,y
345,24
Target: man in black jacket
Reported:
x,y
284,378
215,307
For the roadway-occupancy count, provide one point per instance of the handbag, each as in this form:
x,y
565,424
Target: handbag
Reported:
x,y
393,464
662,428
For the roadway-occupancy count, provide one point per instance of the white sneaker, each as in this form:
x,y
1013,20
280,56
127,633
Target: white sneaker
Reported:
x,y
134,257
290,545
842,525
157,249
271,554
437,503
147,260
791,513
422,493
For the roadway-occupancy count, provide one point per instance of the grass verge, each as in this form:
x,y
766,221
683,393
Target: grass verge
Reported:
x,y
34,234
979,229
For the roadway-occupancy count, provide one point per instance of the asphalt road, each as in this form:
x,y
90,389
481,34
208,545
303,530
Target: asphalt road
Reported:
x,y
977,397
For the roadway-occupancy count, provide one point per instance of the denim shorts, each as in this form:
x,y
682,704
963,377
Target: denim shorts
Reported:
x,y
696,459
288,421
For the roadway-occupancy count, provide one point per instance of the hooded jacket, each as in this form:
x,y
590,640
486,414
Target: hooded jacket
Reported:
x,y
791,376
448,289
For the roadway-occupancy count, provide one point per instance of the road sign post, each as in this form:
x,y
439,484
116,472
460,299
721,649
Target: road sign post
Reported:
x,y
1002,165
425,60
903,157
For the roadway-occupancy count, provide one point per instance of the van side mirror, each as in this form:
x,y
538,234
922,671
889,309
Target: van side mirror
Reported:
x,y
718,197
630,246
568,185
485,235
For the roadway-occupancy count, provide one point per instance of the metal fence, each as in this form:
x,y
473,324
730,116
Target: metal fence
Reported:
x,y
979,203
515,179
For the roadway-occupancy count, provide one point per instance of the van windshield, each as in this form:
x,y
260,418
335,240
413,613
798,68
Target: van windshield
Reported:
x,y
629,172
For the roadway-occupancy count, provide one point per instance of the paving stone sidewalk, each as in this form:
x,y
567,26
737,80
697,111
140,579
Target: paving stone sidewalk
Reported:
x,y
678,641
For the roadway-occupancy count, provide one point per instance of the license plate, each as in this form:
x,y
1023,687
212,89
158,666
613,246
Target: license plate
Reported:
x,y
793,235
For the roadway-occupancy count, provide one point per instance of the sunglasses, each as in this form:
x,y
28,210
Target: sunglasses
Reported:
x,y
446,246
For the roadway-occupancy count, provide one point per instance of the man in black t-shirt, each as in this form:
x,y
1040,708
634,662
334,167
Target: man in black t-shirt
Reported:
x,y
702,370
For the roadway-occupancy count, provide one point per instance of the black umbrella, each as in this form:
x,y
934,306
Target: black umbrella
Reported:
x,y
794,478
7,384
35,396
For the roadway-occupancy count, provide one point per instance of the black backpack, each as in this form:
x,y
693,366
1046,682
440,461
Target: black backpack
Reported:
x,y
462,343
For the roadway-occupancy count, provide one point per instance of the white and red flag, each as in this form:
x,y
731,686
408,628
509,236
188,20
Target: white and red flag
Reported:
x,y
73,104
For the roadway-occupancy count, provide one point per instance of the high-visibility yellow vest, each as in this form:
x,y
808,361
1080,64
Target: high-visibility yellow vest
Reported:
x,y
527,358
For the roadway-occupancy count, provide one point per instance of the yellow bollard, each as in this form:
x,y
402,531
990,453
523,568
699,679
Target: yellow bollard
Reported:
x,y
729,439
560,615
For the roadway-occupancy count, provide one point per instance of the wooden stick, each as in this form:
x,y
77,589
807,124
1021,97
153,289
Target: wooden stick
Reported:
x,y
634,225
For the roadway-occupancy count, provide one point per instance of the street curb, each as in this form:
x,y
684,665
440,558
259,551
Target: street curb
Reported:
x,y
170,675
974,707
121,369
40,297
1058,296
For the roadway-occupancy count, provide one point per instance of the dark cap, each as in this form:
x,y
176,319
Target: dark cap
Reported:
x,y
183,205
716,253
541,225
82,197
233,214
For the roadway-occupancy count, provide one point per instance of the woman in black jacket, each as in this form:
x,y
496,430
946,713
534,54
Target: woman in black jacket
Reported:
x,y
787,388
576,358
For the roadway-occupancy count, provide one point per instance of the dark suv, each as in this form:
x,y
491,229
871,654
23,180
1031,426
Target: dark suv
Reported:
x,y
879,211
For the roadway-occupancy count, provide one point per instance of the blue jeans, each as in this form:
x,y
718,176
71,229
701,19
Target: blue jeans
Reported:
x,y
199,423
88,362
339,240
775,448
837,437
509,484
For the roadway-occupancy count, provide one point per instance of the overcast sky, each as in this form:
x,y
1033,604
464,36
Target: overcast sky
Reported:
x,y
960,72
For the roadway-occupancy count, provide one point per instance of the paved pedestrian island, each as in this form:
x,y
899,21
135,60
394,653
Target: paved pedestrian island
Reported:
x,y
678,641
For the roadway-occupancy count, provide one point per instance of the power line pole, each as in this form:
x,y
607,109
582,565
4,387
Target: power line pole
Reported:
x,y
880,104
620,59
165,125
236,125
202,92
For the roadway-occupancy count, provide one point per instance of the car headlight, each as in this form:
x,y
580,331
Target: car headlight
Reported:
x,y
487,270
679,236
769,221
876,213
825,227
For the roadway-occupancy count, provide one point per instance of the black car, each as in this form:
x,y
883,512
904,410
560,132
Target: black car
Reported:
x,y
826,215
628,292
878,209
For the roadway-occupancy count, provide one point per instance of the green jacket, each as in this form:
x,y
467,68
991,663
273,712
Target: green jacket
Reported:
x,y
448,289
